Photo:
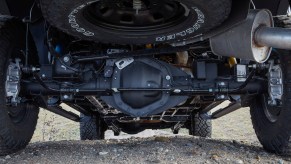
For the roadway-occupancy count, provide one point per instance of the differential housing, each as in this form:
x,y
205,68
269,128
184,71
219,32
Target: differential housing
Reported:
x,y
143,87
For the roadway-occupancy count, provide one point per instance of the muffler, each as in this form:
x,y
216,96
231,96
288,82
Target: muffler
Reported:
x,y
252,39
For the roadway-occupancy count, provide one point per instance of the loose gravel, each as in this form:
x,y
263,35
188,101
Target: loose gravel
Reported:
x,y
233,142
158,149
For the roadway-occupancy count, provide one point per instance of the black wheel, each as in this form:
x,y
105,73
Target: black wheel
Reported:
x,y
200,126
271,119
135,21
92,128
17,123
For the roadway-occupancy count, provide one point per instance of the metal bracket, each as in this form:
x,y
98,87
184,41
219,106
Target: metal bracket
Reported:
x,y
275,78
124,63
12,84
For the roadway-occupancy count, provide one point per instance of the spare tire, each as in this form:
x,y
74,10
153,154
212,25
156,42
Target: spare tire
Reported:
x,y
120,21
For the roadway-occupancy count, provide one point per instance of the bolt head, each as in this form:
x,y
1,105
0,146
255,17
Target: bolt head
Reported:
x,y
168,77
222,83
66,59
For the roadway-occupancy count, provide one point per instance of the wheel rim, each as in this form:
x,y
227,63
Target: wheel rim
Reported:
x,y
120,14
273,100
271,112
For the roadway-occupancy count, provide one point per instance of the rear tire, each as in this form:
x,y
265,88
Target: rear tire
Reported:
x,y
200,126
272,124
17,124
92,128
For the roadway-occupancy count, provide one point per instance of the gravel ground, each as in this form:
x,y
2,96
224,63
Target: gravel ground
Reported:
x,y
57,141
176,149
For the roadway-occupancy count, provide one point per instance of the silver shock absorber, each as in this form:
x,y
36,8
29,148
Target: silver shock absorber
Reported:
x,y
137,5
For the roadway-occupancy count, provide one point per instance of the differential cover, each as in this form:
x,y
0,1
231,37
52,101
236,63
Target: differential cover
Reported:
x,y
141,75
142,87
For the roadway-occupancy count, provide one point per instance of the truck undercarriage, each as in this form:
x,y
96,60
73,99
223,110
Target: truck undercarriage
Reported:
x,y
131,65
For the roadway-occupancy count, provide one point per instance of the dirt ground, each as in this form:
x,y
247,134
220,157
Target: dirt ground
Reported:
x,y
56,140
235,126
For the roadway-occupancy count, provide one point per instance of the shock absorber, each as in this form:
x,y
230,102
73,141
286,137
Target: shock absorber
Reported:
x,y
137,5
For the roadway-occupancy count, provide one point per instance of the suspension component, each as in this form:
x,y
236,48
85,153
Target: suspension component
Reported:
x,y
275,80
12,84
137,5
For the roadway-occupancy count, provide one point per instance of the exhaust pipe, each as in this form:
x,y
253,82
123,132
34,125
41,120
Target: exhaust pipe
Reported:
x,y
274,37
252,39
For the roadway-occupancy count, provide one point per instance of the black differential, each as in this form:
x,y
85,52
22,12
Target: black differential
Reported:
x,y
141,75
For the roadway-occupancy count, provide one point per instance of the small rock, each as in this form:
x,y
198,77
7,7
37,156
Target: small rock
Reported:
x,y
203,154
208,162
264,154
258,157
214,157
35,153
194,152
84,157
189,144
155,161
280,161
160,149
8,157
249,155
238,161
114,150
2,160
120,150
162,139
103,153
235,142
200,144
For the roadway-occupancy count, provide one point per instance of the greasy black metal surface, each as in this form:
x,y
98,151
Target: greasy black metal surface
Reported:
x,y
60,111
22,8
144,52
224,111
163,100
